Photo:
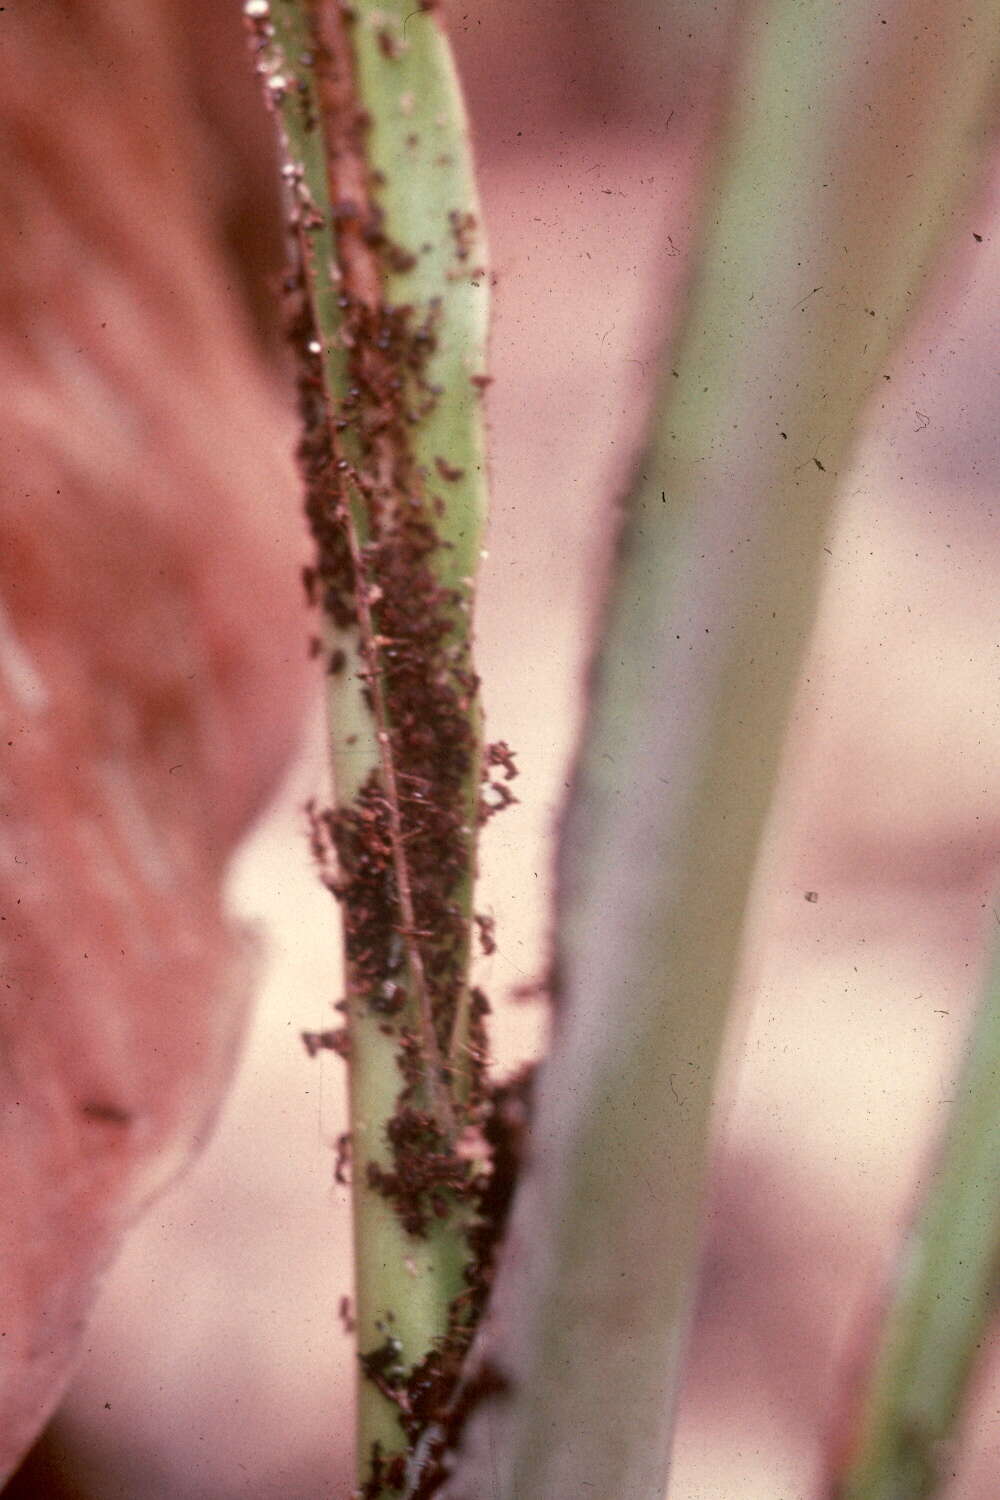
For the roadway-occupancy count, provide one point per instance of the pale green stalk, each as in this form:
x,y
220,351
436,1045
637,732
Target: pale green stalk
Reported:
x,y
413,163
944,1297
855,135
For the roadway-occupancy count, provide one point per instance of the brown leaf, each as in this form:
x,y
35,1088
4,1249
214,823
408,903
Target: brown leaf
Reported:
x,y
152,658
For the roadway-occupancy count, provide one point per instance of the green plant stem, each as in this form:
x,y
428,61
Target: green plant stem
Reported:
x,y
391,335
944,1297
850,149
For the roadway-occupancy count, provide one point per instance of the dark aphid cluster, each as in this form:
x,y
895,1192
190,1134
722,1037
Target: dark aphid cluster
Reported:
x,y
426,1173
384,1474
439,1394
496,794
331,582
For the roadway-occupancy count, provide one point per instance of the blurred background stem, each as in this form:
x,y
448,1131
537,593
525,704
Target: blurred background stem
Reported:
x,y
853,140
944,1297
